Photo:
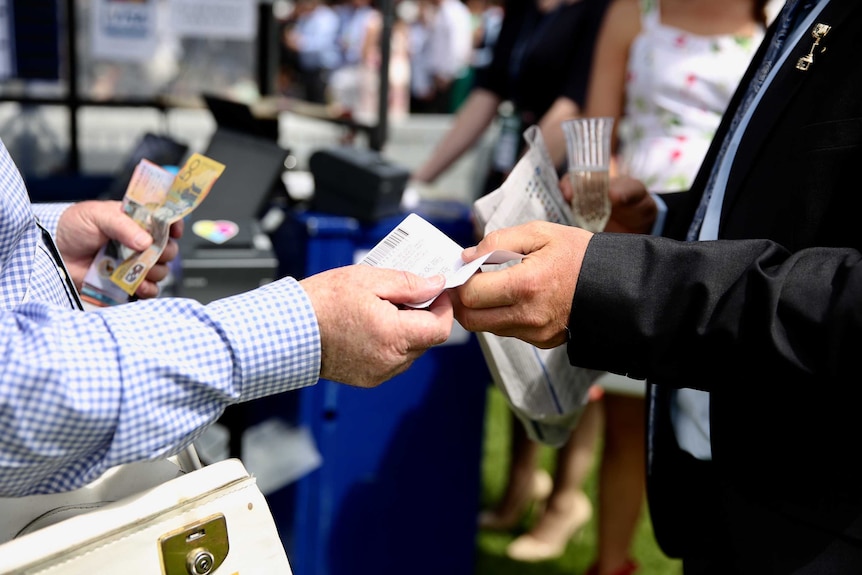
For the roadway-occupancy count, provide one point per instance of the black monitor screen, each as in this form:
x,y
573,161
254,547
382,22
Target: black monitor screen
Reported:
x,y
253,169
238,117
160,150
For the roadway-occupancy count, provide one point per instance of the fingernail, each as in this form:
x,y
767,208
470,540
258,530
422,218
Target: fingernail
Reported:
x,y
436,280
469,252
142,241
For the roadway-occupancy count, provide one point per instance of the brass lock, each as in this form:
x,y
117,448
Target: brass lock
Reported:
x,y
198,549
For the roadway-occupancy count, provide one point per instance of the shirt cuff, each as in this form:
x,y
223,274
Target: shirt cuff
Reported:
x,y
274,335
658,225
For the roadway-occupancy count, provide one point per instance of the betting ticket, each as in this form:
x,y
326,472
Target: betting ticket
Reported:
x,y
417,246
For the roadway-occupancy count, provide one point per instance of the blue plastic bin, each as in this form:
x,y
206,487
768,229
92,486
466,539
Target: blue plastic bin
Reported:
x,y
398,490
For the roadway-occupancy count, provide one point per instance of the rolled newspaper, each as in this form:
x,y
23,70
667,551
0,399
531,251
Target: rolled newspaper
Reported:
x,y
546,393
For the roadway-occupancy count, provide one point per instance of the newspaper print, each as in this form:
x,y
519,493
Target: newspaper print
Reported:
x,y
546,393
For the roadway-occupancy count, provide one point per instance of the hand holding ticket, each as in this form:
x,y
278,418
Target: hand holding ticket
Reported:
x,y
416,246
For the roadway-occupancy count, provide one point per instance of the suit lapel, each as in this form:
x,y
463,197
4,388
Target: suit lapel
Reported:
x,y
779,94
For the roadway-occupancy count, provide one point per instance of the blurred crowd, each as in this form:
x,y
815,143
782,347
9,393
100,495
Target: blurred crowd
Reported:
x,y
331,53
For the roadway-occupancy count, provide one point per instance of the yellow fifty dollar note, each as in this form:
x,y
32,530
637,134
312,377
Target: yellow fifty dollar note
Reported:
x,y
189,188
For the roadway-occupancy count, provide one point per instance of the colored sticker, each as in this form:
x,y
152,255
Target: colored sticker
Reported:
x,y
216,231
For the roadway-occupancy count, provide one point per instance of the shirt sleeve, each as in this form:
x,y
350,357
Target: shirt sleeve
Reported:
x,y
82,392
49,215
661,216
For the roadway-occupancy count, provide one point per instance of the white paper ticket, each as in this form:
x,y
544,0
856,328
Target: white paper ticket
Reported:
x,y
417,246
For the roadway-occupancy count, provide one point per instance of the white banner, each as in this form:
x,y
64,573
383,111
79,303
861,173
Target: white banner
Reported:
x,y
124,30
6,36
229,19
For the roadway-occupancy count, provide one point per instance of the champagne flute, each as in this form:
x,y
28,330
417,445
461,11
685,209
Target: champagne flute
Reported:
x,y
588,141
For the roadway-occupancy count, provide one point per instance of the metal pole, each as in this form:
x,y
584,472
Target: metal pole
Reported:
x,y
73,98
379,134
267,49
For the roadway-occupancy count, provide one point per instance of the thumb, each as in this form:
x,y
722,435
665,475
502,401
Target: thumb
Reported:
x,y
122,228
407,287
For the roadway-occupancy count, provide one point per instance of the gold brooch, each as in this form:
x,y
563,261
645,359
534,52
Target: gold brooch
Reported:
x,y
818,32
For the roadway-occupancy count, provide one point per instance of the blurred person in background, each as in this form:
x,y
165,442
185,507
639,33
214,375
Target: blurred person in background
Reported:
x,y
311,47
448,49
487,21
354,87
355,17
541,64
418,14
487,18
358,19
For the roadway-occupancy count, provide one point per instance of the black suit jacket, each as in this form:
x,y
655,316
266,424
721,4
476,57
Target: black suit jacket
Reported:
x,y
779,364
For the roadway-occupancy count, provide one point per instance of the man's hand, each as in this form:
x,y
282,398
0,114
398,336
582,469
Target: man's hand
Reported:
x,y
86,226
633,209
366,337
530,300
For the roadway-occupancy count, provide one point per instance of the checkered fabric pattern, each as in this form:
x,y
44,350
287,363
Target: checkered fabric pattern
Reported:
x,y
81,392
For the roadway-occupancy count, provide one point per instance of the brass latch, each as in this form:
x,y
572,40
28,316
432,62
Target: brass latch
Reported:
x,y
195,550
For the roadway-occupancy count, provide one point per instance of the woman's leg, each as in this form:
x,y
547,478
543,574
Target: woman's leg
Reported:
x,y
525,482
622,478
568,508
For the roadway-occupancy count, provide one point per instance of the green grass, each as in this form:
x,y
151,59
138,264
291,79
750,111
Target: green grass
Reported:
x,y
491,557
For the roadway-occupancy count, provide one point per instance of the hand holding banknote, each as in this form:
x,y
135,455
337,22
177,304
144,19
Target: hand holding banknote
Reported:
x,y
188,189
85,227
155,199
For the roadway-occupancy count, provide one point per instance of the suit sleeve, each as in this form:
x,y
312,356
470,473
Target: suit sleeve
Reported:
x,y
656,308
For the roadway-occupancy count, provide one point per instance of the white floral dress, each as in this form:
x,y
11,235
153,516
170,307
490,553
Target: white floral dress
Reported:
x,y
677,87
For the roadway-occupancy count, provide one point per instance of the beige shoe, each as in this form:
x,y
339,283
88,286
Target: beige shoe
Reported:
x,y
500,520
529,548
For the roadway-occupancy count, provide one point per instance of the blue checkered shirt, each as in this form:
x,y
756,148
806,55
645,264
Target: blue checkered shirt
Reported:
x,y
81,392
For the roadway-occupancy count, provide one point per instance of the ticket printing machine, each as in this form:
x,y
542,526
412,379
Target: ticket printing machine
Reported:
x,y
225,248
